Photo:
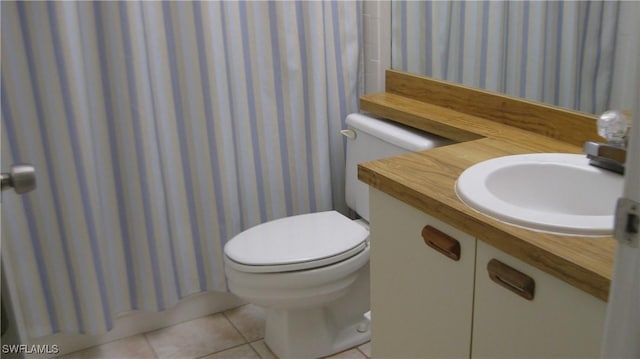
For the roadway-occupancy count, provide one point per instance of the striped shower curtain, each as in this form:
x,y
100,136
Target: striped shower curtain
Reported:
x,y
158,131
556,52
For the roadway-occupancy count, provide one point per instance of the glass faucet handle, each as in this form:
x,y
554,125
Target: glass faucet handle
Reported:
x,y
613,126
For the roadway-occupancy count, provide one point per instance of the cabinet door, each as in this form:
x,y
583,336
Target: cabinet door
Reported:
x,y
560,321
421,300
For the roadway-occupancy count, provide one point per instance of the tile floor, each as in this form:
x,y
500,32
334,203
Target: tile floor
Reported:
x,y
235,333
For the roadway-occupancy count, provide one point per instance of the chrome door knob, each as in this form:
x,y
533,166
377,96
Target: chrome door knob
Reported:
x,y
21,177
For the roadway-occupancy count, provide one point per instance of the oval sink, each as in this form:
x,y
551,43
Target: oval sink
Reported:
x,y
550,192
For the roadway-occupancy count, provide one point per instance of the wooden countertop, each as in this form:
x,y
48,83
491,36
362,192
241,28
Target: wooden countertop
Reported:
x,y
426,180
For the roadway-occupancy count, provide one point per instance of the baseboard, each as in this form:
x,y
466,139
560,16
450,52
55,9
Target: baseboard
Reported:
x,y
132,323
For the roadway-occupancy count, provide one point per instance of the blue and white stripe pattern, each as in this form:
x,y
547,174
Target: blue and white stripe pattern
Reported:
x,y
556,52
159,130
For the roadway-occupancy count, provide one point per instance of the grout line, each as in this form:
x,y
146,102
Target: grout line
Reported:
x,y
155,354
265,345
254,350
234,326
222,350
361,352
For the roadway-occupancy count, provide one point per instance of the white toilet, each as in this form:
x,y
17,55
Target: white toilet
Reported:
x,y
311,271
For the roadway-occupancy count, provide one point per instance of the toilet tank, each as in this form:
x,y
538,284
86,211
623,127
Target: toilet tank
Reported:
x,y
375,139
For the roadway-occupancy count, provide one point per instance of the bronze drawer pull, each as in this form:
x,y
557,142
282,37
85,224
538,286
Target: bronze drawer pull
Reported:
x,y
509,278
441,242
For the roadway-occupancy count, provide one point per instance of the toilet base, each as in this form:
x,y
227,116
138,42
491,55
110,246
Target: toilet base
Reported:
x,y
321,330
311,313
312,333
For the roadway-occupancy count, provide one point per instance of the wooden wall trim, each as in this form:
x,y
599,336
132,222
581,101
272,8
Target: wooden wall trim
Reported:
x,y
562,124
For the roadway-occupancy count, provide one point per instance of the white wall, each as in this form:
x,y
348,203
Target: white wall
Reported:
x,y
377,44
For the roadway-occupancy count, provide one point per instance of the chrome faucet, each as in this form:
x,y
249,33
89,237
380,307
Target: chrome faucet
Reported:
x,y
614,127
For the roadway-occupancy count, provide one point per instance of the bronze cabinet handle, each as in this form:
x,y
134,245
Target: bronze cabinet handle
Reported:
x,y
441,242
512,279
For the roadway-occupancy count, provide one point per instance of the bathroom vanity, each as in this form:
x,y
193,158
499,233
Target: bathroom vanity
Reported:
x,y
447,281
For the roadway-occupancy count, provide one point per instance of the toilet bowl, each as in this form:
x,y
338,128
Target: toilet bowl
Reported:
x,y
312,278
311,271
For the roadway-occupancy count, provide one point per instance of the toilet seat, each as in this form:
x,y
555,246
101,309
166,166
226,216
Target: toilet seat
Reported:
x,y
296,243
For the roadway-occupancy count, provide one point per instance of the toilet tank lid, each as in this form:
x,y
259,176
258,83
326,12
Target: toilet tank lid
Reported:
x,y
296,239
405,137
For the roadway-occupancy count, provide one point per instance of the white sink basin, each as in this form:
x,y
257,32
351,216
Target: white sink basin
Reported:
x,y
549,192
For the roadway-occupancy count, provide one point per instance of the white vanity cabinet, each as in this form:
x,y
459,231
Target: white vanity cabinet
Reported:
x,y
560,321
421,300
427,305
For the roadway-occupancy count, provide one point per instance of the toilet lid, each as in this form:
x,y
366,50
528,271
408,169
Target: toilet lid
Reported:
x,y
296,243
